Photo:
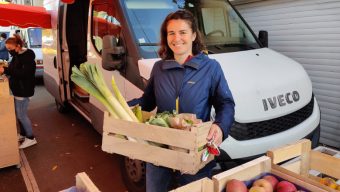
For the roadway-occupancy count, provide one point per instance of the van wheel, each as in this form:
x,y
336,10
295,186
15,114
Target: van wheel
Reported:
x,y
133,173
62,108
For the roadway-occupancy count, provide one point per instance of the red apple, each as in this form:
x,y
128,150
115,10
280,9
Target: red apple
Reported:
x,y
235,185
257,189
265,184
285,186
272,180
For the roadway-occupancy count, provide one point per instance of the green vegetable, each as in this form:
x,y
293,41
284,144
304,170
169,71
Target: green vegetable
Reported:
x,y
137,110
89,78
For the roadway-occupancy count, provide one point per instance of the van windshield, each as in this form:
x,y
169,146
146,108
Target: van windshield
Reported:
x,y
34,37
222,28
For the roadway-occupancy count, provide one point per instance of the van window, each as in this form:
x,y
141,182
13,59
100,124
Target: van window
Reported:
x,y
145,19
34,37
222,29
104,22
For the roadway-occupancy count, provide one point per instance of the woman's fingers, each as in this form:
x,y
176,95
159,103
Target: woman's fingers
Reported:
x,y
215,133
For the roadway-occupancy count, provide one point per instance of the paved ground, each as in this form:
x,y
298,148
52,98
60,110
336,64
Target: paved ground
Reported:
x,y
67,144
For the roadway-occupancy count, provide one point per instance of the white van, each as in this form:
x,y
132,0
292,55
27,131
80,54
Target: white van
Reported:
x,y
32,38
273,94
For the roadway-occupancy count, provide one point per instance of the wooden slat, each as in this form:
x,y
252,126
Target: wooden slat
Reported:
x,y
84,183
243,172
294,166
325,164
186,162
173,137
202,134
297,179
202,185
305,157
281,154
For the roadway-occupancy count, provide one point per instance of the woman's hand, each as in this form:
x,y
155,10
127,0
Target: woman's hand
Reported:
x,y
216,133
1,70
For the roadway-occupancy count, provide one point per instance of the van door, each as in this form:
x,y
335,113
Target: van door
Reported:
x,y
53,61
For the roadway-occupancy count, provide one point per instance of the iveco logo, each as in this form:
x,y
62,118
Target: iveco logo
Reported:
x,y
282,100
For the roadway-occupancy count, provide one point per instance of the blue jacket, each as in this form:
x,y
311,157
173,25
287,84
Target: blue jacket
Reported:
x,y
199,84
3,51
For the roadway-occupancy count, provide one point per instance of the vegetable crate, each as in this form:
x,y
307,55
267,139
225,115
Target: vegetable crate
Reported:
x,y
255,169
308,161
185,147
202,185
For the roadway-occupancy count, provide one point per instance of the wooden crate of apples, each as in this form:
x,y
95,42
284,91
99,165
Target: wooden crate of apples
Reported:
x,y
306,162
259,176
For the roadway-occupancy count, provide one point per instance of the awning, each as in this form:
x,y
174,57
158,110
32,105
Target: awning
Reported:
x,y
103,27
24,16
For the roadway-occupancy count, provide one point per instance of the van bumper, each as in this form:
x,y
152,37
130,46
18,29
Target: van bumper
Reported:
x,y
251,148
39,72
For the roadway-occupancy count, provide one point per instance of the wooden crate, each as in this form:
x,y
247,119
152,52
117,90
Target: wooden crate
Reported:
x,y
187,161
202,185
9,150
308,160
255,169
83,184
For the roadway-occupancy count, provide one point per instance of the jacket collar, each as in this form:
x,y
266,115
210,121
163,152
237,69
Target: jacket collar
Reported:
x,y
194,63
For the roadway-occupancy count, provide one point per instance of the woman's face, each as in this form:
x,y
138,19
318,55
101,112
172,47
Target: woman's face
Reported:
x,y
180,37
11,47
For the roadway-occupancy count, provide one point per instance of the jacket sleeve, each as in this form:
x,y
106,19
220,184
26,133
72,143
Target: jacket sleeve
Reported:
x,y
2,46
223,102
28,66
148,100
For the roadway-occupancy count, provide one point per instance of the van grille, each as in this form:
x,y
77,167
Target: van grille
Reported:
x,y
246,131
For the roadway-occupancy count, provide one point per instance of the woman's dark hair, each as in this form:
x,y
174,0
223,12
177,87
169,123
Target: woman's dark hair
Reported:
x,y
15,40
197,46
3,35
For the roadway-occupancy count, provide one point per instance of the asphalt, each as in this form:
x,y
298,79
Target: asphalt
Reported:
x,y
67,145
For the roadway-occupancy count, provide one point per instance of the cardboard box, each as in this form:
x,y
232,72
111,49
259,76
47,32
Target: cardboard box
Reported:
x,y
188,160
308,160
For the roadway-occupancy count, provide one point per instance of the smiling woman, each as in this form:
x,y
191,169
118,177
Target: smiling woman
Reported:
x,y
188,81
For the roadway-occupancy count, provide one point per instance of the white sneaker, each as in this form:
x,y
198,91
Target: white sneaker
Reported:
x,y
27,143
20,137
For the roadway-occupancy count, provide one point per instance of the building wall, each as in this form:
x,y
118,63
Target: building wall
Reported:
x,y
309,32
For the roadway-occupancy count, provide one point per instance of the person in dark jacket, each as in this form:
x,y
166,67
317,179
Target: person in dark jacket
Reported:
x,y
3,51
21,72
188,81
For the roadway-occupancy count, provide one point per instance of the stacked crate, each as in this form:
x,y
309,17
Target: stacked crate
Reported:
x,y
9,151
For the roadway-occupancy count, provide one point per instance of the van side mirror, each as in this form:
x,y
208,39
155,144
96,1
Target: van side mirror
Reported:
x,y
112,55
263,37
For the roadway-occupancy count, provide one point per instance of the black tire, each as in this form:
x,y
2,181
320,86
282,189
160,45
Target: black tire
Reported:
x,y
133,174
62,108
